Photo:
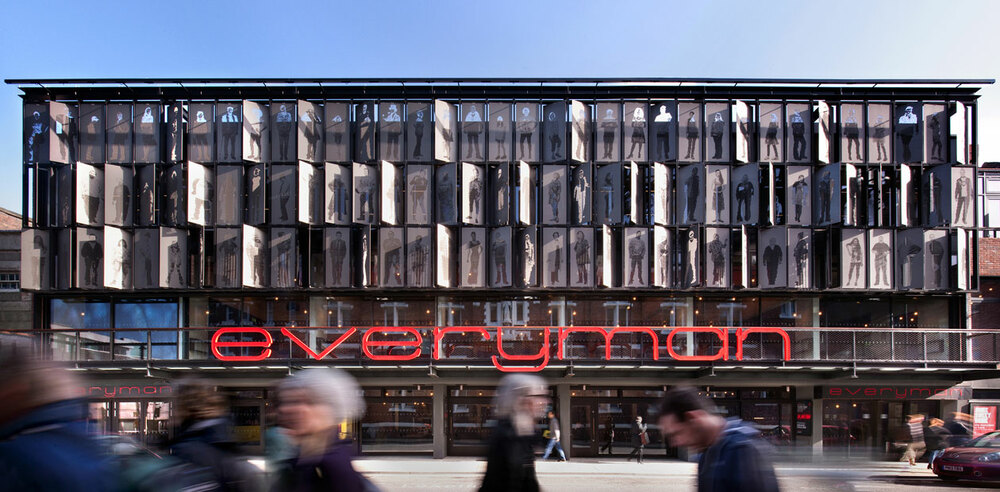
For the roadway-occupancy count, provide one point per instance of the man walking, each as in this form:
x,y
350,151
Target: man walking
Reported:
x,y
733,456
553,436
639,439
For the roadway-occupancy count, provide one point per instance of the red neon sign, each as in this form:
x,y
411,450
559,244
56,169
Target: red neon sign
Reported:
x,y
378,349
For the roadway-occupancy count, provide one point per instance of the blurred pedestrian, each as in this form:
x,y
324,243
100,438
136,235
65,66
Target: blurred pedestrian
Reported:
x,y
609,434
311,406
916,447
733,456
959,428
553,437
639,439
510,461
205,439
936,438
44,444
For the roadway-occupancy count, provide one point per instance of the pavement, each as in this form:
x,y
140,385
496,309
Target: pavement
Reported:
x,y
597,474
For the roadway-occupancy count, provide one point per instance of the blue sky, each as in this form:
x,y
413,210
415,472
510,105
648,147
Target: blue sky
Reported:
x,y
510,38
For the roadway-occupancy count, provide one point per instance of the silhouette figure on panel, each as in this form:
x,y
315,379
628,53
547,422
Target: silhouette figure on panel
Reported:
x,y
936,137
609,129
283,124
230,128
502,191
146,135
908,253
744,199
500,137
339,128
229,252
856,262
312,132
937,254
122,264
636,254
936,205
963,198
338,252
800,193
473,129
771,138
500,260
907,128
392,130
583,136
418,261
798,137
418,134
555,192
37,130
664,251
257,261
555,260
691,263
582,251
121,200
801,255
718,129
525,128
718,196
91,254
853,132
366,134
257,128
773,257
692,188
881,251
662,123
475,248
475,194
529,260
418,192
717,250
692,135
638,133
445,198
393,275
555,139
92,200
825,192
879,133
338,206
608,189
174,264
580,194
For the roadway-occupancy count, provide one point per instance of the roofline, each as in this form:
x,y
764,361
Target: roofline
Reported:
x,y
499,80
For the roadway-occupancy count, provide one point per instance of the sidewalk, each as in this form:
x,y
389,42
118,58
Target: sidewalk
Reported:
x,y
601,474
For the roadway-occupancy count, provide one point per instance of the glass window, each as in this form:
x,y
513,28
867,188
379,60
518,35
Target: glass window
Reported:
x,y
140,332
10,281
85,315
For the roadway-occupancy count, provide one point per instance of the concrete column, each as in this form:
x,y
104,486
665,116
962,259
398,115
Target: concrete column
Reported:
x,y
565,426
817,428
438,439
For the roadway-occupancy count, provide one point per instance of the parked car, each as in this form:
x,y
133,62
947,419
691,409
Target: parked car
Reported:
x,y
979,459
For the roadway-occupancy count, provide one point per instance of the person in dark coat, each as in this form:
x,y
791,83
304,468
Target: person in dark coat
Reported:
x,y
609,433
936,438
733,455
959,427
310,406
44,444
204,438
510,460
638,431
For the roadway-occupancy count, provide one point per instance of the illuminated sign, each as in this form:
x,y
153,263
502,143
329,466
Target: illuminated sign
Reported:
x,y
410,347
128,391
883,392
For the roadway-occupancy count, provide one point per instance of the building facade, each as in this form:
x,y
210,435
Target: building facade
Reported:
x,y
804,251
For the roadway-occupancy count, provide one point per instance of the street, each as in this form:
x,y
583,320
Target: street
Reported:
x,y
587,474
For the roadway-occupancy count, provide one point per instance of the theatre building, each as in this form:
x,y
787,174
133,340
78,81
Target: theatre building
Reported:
x,y
804,251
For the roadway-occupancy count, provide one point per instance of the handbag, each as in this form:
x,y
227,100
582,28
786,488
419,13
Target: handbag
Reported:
x,y
643,438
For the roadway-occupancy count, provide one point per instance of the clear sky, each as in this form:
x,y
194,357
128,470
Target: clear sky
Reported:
x,y
508,38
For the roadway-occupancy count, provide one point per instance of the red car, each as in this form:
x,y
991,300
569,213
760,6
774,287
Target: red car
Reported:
x,y
979,459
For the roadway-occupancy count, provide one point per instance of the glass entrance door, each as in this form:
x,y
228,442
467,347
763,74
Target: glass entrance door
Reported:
x,y
585,429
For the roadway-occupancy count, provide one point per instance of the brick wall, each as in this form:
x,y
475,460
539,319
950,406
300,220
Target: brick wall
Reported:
x,y
989,257
9,221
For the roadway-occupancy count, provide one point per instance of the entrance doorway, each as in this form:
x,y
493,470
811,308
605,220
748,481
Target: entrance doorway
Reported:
x,y
602,421
147,422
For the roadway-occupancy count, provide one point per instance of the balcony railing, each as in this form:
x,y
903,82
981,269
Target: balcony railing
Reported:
x,y
517,347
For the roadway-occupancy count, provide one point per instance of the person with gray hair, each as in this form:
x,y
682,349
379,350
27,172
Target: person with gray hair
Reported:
x,y
311,405
510,462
